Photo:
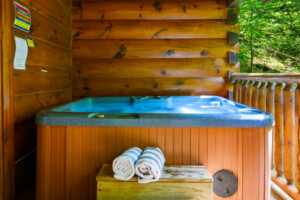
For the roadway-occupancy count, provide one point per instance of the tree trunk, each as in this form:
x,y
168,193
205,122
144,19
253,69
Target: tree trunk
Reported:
x,y
251,43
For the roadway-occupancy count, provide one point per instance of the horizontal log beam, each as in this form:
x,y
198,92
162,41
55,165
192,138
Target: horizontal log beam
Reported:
x,y
51,9
169,48
152,29
152,68
47,79
146,10
83,87
46,54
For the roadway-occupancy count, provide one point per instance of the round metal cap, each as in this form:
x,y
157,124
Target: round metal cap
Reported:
x,y
225,183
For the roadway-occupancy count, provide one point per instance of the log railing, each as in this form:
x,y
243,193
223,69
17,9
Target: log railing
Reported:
x,y
278,94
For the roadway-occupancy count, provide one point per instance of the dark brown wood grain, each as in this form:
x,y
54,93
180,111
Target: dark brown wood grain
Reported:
x,y
45,82
146,41
47,54
7,133
145,10
1,109
151,29
52,9
151,68
24,172
171,48
25,139
67,4
83,87
27,106
47,78
46,29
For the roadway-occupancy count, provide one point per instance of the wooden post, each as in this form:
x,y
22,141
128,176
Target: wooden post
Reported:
x,y
8,100
289,131
240,91
249,95
279,129
255,91
262,95
297,140
271,98
245,92
1,112
235,90
271,110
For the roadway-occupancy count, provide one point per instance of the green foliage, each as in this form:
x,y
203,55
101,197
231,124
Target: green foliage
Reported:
x,y
275,28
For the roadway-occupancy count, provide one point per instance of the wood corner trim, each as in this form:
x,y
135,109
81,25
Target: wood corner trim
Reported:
x,y
233,38
233,57
234,3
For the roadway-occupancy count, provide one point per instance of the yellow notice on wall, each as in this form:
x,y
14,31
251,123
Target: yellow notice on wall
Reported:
x,y
22,18
30,42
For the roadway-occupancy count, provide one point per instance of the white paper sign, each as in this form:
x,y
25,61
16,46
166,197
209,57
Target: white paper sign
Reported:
x,y
21,53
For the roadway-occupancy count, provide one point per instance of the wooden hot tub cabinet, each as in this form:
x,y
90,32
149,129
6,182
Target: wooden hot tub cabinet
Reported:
x,y
69,157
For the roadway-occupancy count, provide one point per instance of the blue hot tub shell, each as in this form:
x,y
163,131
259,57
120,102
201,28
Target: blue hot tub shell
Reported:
x,y
163,111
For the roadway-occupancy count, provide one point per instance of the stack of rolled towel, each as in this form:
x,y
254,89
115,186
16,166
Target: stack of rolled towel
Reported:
x,y
150,165
147,166
123,165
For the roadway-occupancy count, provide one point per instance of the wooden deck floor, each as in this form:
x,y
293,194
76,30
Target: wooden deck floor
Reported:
x,y
29,195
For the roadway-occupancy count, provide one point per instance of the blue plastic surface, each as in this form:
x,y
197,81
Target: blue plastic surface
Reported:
x,y
185,111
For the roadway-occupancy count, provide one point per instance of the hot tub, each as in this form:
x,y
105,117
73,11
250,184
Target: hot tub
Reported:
x,y
75,139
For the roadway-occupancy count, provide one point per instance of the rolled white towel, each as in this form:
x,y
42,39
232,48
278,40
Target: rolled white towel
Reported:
x,y
150,164
123,165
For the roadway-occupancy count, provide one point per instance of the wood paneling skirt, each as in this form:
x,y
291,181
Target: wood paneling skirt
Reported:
x,y
69,157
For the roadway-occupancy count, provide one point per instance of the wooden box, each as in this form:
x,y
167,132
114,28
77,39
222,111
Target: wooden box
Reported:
x,y
177,182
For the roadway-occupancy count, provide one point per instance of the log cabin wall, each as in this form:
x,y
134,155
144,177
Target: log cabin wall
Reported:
x,y
153,47
45,82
